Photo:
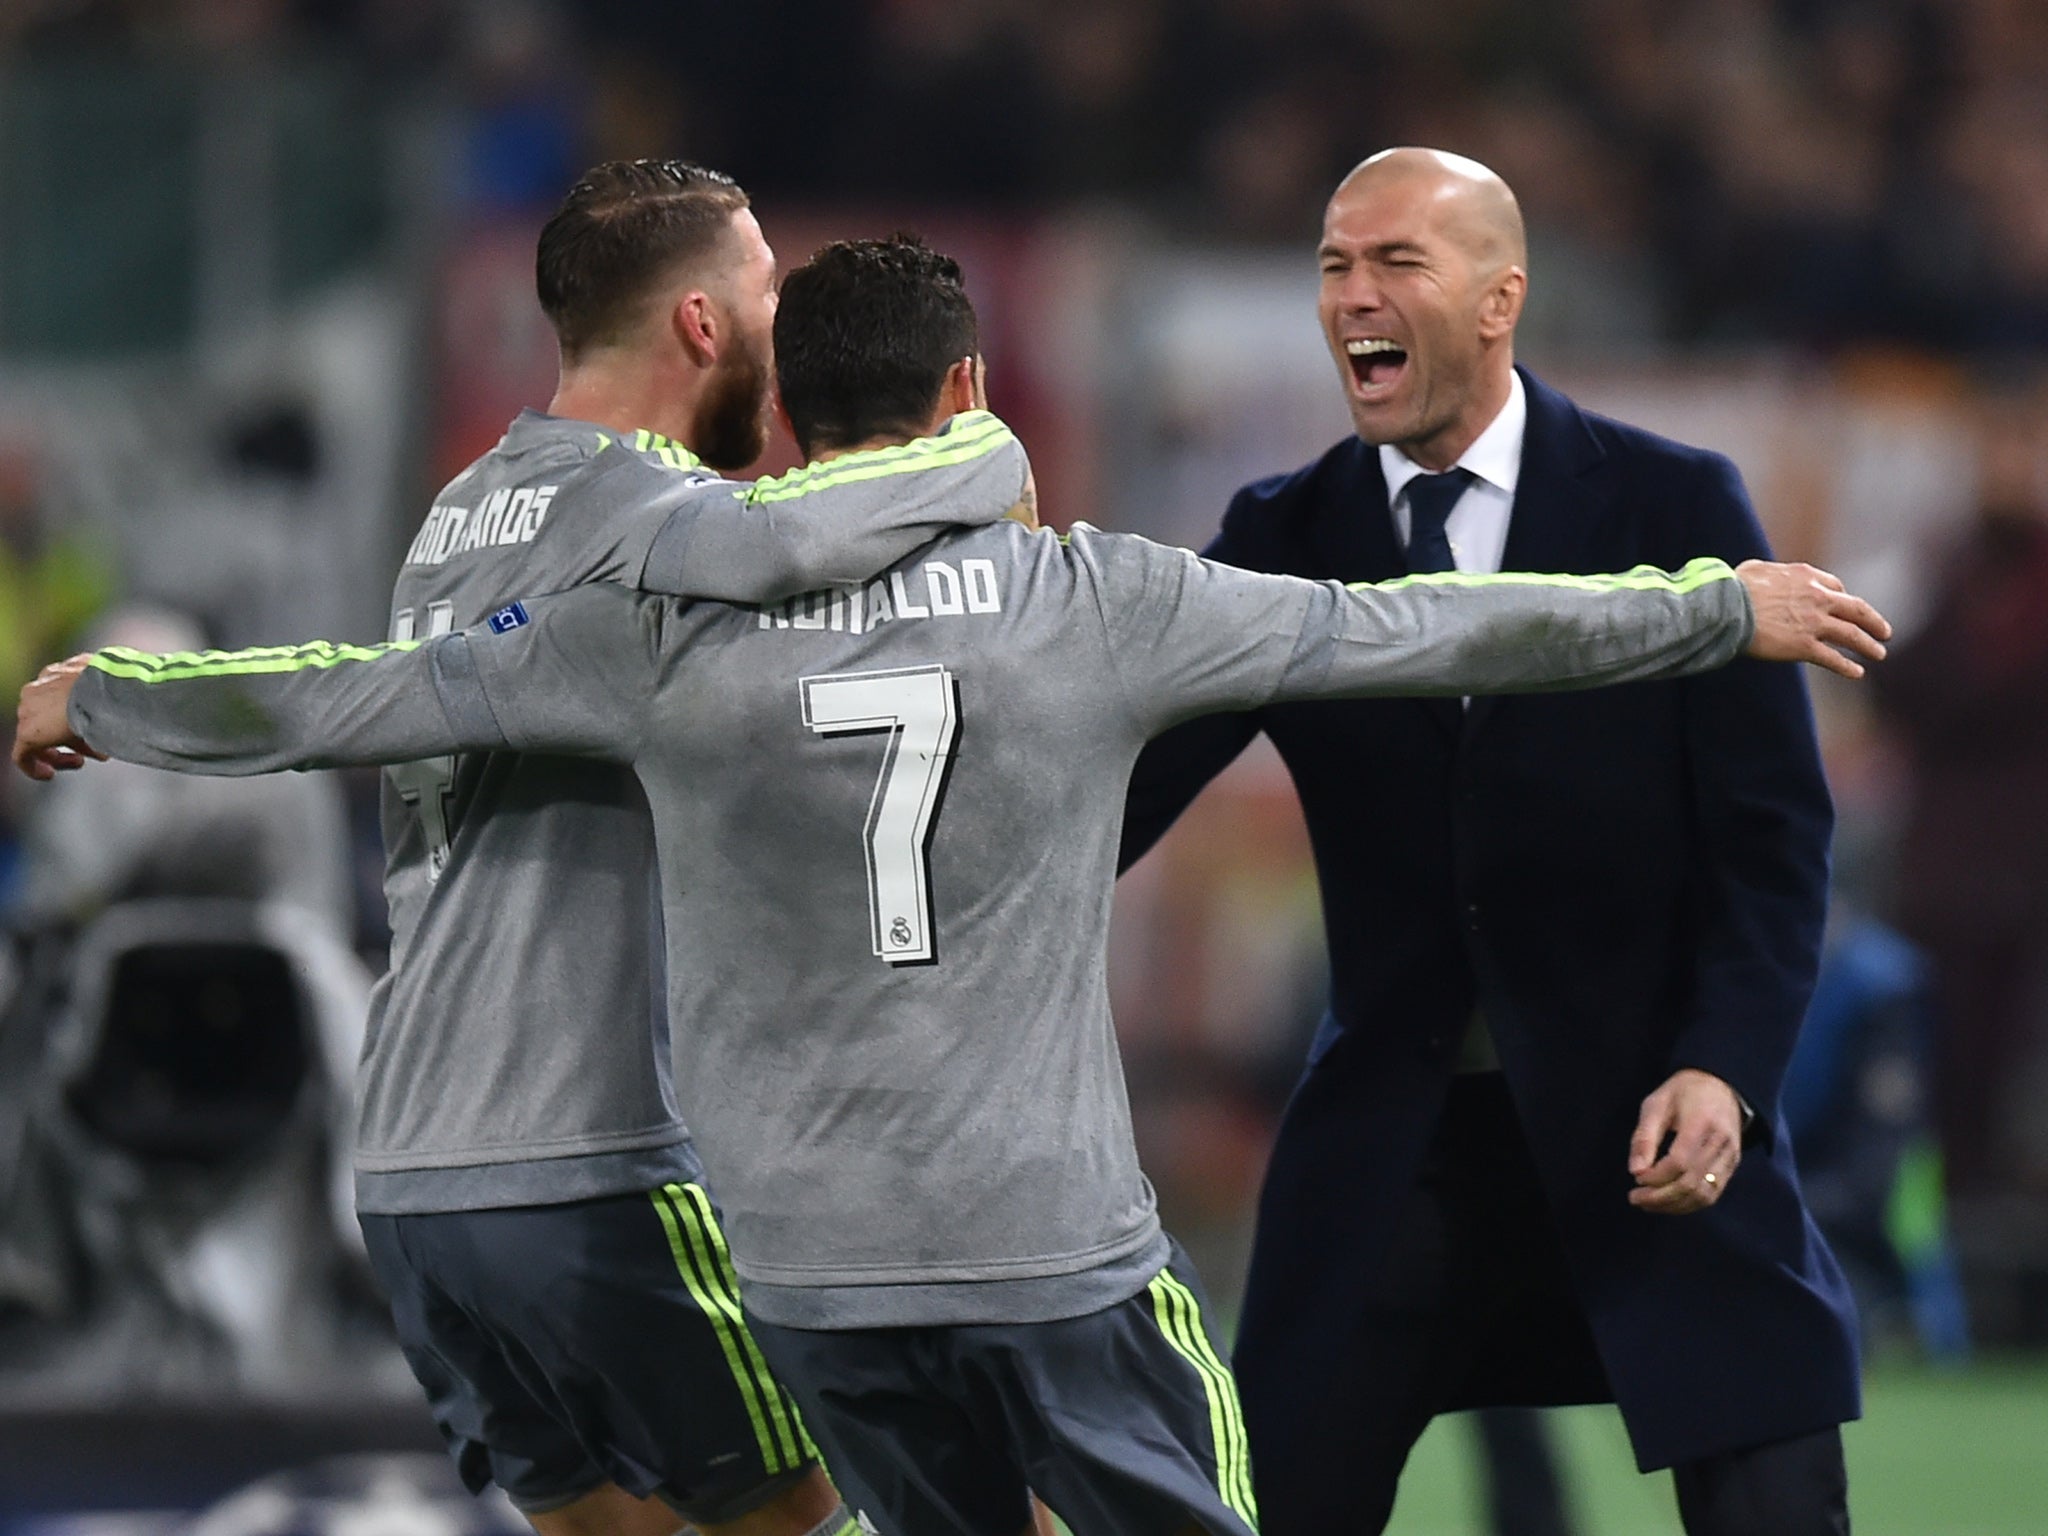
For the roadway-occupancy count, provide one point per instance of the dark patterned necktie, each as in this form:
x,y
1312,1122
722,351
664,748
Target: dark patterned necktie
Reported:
x,y
1430,499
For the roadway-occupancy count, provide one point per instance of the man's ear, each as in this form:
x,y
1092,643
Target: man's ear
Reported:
x,y
964,390
698,327
1502,306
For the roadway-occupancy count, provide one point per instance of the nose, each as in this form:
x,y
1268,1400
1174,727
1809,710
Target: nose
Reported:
x,y
1356,291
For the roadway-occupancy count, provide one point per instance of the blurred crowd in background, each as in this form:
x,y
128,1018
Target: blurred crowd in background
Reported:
x,y
265,280
1786,171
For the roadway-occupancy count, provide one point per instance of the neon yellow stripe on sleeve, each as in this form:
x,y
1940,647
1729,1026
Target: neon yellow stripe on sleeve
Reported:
x,y
1644,578
975,434
178,666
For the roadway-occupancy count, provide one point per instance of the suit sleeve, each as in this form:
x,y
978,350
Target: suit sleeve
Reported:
x,y
824,524
567,674
1762,821
1178,765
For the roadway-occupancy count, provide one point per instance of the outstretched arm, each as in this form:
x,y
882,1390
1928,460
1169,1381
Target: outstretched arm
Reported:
x,y
1528,633
832,523
1190,638
318,705
581,659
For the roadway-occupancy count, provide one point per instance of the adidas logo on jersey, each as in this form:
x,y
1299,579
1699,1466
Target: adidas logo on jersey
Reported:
x,y
934,591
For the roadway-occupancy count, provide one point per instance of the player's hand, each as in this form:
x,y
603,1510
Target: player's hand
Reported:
x,y
1803,614
1702,1116
1026,509
44,743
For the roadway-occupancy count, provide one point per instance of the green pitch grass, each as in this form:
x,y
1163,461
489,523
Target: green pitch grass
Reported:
x,y
1939,1453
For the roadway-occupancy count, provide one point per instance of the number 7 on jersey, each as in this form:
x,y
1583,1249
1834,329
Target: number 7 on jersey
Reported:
x,y
915,709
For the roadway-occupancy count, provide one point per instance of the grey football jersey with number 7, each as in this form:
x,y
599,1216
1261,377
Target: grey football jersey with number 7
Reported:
x,y
888,819
517,1050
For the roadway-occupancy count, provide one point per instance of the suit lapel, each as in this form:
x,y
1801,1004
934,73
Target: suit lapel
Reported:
x,y
1558,499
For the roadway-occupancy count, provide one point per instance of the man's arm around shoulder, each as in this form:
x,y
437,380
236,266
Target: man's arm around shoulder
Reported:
x,y
836,522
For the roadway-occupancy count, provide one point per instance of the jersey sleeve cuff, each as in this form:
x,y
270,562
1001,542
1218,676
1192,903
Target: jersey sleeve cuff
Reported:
x,y
461,691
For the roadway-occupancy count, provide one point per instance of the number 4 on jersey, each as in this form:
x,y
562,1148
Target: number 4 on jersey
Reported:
x,y
426,784
916,708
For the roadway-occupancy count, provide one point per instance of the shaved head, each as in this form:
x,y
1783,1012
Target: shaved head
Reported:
x,y
1478,208
1423,258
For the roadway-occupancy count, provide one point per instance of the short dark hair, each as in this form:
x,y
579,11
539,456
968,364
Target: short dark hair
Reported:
x,y
621,229
864,334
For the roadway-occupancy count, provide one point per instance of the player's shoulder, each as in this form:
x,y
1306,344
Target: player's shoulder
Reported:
x,y
1112,565
1040,560
641,469
585,456
653,463
1005,543
533,443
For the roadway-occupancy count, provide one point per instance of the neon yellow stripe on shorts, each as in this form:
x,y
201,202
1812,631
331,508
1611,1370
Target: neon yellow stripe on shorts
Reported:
x,y
1180,1320
705,1265
782,1405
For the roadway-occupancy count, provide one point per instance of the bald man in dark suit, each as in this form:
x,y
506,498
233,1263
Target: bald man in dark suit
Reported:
x,y
1536,1155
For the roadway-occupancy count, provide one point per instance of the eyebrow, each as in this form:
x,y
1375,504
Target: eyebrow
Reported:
x,y
1384,249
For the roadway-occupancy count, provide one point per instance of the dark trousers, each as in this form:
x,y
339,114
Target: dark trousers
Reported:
x,y
1524,1489
1474,1305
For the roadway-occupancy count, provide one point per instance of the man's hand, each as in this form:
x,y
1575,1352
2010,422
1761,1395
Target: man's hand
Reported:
x,y
1026,509
44,743
1803,614
1703,1117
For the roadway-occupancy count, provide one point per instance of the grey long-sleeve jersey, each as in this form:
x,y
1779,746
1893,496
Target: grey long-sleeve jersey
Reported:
x,y
888,821
517,1050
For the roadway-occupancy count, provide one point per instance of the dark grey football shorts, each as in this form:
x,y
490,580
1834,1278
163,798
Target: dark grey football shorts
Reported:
x,y
566,1346
1125,1421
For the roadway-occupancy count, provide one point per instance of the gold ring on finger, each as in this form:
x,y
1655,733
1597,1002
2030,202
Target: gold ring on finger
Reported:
x,y
1713,1178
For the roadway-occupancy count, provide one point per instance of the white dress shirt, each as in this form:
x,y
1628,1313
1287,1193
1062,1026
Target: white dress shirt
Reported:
x,y
1478,524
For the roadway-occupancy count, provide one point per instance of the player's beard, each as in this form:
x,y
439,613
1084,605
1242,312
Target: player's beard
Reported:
x,y
732,420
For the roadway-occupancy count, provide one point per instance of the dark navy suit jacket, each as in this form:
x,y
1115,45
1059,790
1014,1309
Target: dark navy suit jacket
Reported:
x,y
1626,882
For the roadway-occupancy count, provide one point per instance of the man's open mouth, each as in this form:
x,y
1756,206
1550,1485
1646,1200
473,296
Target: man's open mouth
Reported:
x,y
1375,362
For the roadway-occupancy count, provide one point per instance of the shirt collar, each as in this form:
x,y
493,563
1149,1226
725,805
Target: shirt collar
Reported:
x,y
1495,455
